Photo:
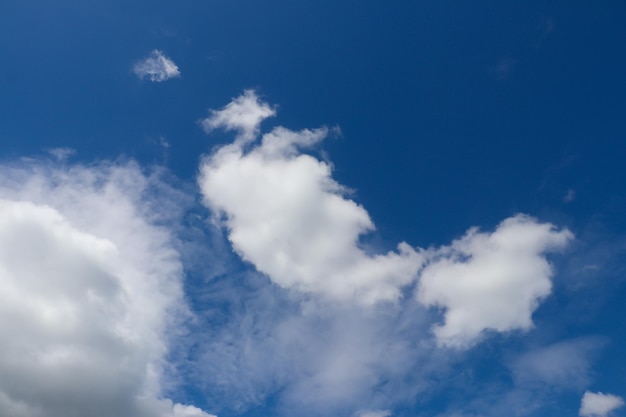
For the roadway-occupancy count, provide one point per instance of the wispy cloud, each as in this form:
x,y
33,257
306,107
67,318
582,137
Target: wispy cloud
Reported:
x,y
569,196
61,154
503,68
156,67
563,365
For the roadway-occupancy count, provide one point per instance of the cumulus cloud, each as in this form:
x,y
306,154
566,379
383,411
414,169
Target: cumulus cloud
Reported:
x,y
288,217
90,292
491,281
243,115
156,67
599,404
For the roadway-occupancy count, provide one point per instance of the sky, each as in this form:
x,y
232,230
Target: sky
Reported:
x,y
321,208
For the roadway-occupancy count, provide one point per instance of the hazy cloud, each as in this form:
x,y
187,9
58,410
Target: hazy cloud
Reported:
x,y
156,67
504,67
62,154
565,364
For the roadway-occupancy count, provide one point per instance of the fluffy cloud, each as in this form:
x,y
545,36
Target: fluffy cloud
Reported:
x,y
599,404
285,214
491,281
288,217
156,67
244,115
90,292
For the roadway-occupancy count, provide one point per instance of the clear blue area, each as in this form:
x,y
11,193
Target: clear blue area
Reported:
x,y
453,114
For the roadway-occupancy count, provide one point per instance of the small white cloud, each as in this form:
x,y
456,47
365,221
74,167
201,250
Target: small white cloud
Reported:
x,y
599,404
243,114
156,67
491,280
569,196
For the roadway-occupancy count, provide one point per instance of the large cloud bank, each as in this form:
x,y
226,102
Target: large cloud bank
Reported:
x,y
92,308
90,292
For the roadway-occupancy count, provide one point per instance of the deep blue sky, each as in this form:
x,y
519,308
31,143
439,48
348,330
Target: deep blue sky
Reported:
x,y
497,107
452,114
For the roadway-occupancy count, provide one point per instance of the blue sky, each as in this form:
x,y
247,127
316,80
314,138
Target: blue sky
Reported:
x,y
312,208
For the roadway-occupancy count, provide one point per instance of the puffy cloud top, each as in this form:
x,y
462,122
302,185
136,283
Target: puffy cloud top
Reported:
x,y
491,281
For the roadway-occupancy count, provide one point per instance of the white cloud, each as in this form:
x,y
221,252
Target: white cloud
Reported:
x,y
289,218
90,292
284,213
599,404
243,114
156,67
491,281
